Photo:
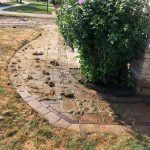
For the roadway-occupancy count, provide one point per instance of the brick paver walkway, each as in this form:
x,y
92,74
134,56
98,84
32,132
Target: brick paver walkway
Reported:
x,y
40,71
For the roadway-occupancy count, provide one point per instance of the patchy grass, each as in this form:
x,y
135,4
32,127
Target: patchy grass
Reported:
x,y
21,128
33,7
77,143
1,90
138,143
46,133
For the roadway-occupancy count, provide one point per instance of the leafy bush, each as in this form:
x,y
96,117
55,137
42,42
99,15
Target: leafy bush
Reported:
x,y
59,2
107,33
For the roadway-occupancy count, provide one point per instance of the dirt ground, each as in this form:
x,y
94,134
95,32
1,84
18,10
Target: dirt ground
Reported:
x,y
22,128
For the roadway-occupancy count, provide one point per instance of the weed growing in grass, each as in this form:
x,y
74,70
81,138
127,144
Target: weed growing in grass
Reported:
x,y
1,90
57,141
74,144
79,143
45,133
89,145
133,144
11,133
15,144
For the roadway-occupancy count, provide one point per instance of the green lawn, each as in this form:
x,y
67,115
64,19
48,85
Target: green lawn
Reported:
x,y
11,2
34,7
7,3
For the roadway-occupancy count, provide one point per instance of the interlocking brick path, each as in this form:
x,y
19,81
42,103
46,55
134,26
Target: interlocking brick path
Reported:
x,y
41,83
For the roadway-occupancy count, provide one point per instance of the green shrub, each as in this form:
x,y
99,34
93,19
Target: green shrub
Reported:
x,y
108,34
59,2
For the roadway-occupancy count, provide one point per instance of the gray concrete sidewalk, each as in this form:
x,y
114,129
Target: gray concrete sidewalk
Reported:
x,y
11,6
8,13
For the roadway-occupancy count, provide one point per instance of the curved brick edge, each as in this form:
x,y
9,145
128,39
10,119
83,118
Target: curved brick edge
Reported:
x,y
58,119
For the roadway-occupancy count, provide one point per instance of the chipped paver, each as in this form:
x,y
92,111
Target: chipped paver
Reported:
x,y
52,118
87,128
62,123
42,110
74,127
67,106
